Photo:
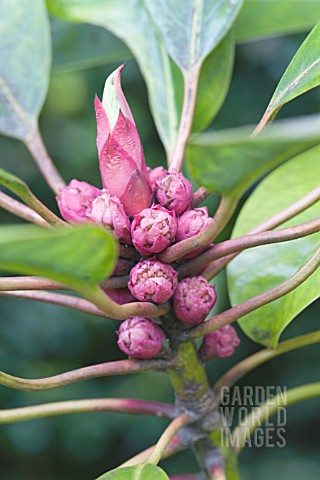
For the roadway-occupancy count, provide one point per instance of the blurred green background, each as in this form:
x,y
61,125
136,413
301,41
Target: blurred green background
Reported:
x,y
38,340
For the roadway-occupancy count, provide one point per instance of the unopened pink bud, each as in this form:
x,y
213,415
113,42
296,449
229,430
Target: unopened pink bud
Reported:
x,y
74,199
174,192
153,230
156,174
140,337
108,211
193,300
153,281
221,343
191,223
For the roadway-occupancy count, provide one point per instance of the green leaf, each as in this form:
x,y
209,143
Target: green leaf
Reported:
x,y
263,18
138,472
24,65
190,29
80,46
259,269
302,74
215,77
80,256
212,156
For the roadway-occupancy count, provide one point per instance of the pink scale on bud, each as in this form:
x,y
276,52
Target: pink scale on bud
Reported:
x,y
153,281
122,164
193,300
174,192
108,211
156,174
74,199
140,337
221,343
191,223
153,230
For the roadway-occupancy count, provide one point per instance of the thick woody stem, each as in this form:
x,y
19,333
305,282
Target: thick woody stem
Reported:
x,y
83,406
121,367
248,241
20,210
249,363
294,209
38,150
221,218
258,301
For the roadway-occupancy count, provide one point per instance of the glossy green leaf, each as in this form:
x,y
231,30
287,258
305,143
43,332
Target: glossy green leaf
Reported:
x,y
80,46
138,472
302,74
212,156
79,256
24,65
190,29
262,18
259,269
163,78
215,77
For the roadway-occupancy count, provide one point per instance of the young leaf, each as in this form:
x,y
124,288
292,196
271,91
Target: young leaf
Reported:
x,y
80,257
190,29
258,19
212,156
252,272
137,472
302,75
24,66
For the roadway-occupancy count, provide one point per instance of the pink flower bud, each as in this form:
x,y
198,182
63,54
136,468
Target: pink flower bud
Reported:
x,y
174,192
156,174
221,343
122,164
191,223
74,199
193,300
140,337
153,229
153,281
108,211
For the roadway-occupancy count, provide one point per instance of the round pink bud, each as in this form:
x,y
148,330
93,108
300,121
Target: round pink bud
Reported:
x,y
153,230
74,199
193,300
174,192
191,223
156,174
221,343
108,211
153,281
140,337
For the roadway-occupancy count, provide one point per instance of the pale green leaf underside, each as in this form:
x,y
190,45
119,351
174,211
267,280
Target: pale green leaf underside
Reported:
x,y
24,64
259,269
302,74
137,472
265,18
190,29
228,162
79,257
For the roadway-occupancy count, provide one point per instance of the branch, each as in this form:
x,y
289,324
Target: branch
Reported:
x,y
121,367
258,301
82,406
248,364
220,220
191,78
248,241
199,196
167,436
20,210
294,209
40,283
38,150
259,415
